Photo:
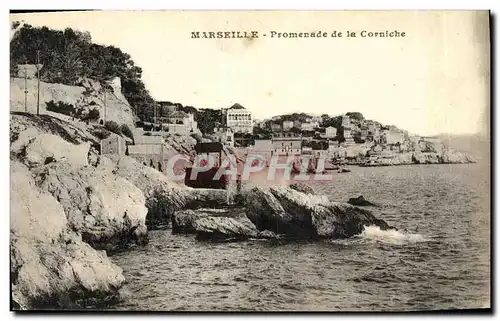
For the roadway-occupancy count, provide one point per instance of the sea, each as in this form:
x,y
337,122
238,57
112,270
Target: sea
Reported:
x,y
438,259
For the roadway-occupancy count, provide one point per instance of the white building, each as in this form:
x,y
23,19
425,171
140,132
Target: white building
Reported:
x,y
287,125
346,122
309,126
330,132
239,120
392,137
114,144
178,122
287,145
349,140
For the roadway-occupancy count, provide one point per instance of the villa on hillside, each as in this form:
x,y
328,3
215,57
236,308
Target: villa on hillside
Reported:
x,y
178,122
330,132
287,125
224,136
309,126
238,119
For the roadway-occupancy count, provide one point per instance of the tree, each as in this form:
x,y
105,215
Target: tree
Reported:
x,y
70,54
125,130
93,115
355,115
112,127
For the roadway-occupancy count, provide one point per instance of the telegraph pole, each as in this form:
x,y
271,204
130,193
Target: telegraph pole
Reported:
x,y
38,77
154,116
25,90
105,105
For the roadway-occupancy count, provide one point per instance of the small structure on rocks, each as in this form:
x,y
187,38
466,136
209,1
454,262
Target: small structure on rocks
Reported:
x,y
114,144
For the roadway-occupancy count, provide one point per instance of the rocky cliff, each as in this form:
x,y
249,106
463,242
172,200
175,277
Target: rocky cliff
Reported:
x,y
68,203
64,208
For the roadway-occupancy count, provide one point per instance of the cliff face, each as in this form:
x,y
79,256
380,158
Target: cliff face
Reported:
x,y
50,264
63,208
88,95
68,203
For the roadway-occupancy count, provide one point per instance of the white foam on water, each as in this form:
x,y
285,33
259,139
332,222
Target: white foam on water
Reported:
x,y
374,233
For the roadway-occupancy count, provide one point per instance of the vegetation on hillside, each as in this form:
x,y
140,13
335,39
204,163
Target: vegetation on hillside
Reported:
x,y
68,56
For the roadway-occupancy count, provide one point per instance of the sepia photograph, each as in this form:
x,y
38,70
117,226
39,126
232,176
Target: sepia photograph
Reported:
x,y
250,161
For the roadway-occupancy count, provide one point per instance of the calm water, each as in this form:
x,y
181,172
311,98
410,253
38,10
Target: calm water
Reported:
x,y
441,261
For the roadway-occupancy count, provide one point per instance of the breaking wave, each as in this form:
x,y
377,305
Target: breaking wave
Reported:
x,y
392,236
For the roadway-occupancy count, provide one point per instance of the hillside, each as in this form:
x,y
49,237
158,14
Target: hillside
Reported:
x,y
88,95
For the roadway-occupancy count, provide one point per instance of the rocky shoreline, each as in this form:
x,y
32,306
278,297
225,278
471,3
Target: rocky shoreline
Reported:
x,y
71,208
447,156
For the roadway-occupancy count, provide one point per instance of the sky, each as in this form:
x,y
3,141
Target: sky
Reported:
x,y
434,80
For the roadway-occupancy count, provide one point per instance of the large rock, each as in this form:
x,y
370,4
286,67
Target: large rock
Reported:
x,y
426,158
45,148
266,212
107,209
183,222
50,265
286,211
219,228
74,133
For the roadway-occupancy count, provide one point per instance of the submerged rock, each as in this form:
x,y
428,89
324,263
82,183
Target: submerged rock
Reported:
x,y
50,265
287,211
360,201
184,221
301,187
266,234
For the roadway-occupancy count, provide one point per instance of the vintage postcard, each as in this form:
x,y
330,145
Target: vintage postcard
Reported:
x,y
250,161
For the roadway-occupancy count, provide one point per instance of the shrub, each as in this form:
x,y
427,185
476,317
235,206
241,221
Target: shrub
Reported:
x,y
61,108
93,115
112,127
101,133
197,137
126,131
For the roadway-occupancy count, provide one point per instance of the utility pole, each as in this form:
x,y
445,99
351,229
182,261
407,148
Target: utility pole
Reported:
x,y
105,105
38,77
154,116
25,90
